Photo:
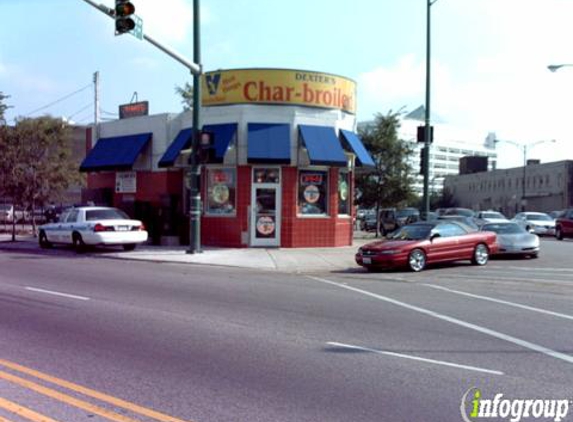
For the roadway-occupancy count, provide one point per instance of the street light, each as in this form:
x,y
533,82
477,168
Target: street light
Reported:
x,y
524,148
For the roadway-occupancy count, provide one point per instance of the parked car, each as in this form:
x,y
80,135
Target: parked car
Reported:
x,y
457,211
469,222
392,218
536,222
417,245
564,225
491,217
93,226
513,239
8,214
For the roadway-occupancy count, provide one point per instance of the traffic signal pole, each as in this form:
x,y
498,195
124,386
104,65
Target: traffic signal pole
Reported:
x,y
196,70
194,167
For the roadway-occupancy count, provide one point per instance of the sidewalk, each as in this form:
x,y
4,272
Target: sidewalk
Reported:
x,y
279,259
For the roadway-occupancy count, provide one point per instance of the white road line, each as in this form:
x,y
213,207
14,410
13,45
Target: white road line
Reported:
x,y
49,292
503,302
523,343
400,355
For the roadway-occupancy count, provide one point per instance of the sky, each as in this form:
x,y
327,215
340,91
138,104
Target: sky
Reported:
x,y
489,59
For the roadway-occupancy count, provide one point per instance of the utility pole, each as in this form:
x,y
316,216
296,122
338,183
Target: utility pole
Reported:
x,y
96,106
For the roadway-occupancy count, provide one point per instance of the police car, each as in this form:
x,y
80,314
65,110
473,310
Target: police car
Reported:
x,y
93,226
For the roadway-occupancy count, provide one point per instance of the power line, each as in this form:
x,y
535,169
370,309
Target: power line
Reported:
x,y
80,110
58,100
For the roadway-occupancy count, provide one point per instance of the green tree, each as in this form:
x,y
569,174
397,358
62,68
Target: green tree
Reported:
x,y
35,162
186,93
3,107
390,183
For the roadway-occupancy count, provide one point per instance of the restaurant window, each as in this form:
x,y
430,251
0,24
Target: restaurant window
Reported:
x,y
343,192
312,192
221,188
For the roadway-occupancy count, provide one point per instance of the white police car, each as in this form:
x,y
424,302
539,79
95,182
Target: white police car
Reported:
x,y
93,226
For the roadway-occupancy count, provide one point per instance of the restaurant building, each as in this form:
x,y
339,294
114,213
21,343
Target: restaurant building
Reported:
x,y
280,172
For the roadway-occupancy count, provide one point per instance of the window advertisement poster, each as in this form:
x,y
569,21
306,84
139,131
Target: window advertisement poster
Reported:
x,y
343,193
126,182
312,192
221,186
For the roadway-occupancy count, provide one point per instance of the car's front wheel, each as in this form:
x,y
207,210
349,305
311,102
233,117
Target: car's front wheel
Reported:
x,y
417,260
129,247
558,233
481,255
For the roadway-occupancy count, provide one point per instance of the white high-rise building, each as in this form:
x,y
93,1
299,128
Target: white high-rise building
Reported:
x,y
449,146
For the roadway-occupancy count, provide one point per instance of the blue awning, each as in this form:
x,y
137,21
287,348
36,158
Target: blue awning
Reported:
x,y
323,146
355,144
223,136
268,143
181,142
117,153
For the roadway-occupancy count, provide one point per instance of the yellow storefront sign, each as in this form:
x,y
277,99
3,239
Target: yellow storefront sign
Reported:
x,y
278,86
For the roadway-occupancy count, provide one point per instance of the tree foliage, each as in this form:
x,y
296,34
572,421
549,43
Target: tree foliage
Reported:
x,y
36,161
390,183
186,93
3,107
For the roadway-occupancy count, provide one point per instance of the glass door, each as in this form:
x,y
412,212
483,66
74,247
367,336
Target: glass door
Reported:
x,y
265,207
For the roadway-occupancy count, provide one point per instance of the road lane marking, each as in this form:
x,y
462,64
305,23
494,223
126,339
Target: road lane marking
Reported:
x,y
503,302
56,395
51,292
505,337
417,358
23,412
91,393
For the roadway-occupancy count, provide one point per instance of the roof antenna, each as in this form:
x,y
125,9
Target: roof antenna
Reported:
x,y
134,96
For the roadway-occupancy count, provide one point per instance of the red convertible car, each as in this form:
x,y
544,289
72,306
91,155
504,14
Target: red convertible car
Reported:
x,y
416,245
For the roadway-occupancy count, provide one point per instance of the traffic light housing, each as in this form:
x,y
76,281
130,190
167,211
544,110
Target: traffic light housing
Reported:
x,y
421,134
124,21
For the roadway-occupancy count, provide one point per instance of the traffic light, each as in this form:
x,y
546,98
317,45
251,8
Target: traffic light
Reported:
x,y
422,161
421,134
124,21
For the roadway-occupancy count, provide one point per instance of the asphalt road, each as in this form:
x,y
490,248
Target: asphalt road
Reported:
x,y
113,340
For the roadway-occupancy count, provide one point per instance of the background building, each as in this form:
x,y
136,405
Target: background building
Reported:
x,y
536,187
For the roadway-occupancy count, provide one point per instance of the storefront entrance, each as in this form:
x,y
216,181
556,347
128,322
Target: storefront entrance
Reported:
x,y
266,207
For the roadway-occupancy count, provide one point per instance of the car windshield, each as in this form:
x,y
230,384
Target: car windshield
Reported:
x,y
492,214
504,228
538,217
106,214
411,232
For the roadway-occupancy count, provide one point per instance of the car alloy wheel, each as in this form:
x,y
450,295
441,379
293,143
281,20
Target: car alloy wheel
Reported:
x,y
481,255
417,260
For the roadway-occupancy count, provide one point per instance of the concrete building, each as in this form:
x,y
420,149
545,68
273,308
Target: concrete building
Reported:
x,y
535,187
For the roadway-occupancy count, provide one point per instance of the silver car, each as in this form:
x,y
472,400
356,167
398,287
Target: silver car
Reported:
x,y
536,222
514,239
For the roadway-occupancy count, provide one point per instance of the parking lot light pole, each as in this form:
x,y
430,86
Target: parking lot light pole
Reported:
x,y
525,148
